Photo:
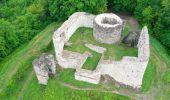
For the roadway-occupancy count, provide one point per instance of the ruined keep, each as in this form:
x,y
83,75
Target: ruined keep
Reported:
x,y
128,71
43,67
107,28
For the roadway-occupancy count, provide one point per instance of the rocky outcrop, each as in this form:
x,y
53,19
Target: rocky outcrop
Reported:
x,y
132,38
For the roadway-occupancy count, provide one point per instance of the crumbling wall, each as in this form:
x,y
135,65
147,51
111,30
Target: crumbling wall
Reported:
x,y
129,71
87,75
63,34
129,68
43,67
143,45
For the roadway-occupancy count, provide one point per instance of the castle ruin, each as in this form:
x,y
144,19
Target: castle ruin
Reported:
x,y
107,28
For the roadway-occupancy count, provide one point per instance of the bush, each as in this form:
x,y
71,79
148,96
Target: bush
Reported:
x,y
61,9
8,38
122,5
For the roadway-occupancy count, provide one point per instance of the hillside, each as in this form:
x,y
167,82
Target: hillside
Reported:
x,y
18,80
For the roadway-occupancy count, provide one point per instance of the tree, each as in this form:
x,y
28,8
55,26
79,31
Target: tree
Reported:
x,y
148,17
27,26
5,12
141,4
165,29
61,9
3,49
122,5
9,39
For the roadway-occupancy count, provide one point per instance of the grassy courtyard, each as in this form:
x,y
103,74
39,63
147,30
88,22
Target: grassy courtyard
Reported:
x,y
114,51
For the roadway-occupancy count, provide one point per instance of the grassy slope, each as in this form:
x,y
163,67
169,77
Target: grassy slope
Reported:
x,y
18,80
165,57
17,65
161,78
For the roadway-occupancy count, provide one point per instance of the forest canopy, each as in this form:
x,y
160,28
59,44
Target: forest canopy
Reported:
x,y
21,20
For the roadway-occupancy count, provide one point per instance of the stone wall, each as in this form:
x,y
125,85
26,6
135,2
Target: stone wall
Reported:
x,y
63,34
129,68
129,71
96,48
43,67
107,28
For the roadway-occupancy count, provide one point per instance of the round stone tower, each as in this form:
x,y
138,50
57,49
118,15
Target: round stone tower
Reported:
x,y
107,28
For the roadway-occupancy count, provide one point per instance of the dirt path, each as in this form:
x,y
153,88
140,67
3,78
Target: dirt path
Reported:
x,y
25,85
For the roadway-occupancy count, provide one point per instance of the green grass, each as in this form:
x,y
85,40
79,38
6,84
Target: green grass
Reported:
x,y
91,62
67,76
149,76
161,50
168,95
166,77
17,81
55,91
164,55
114,51
126,30
16,69
78,46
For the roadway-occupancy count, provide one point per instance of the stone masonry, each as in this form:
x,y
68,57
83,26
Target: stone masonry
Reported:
x,y
128,71
43,67
107,28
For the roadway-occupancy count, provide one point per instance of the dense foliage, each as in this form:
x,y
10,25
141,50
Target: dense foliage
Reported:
x,y
61,9
122,5
21,20
153,13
